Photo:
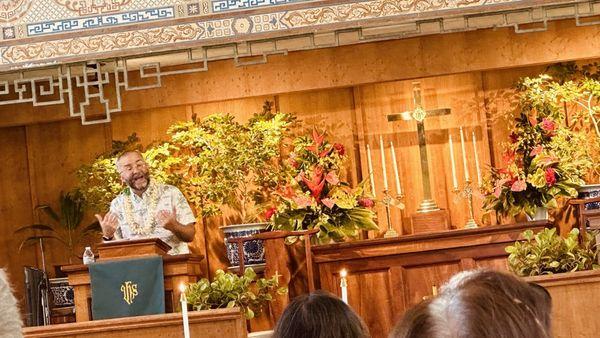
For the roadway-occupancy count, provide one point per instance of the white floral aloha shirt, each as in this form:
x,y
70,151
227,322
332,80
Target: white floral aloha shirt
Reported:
x,y
167,197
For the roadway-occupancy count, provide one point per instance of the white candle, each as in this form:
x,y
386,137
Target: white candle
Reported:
x,y
396,176
385,182
344,285
476,160
464,153
370,164
454,180
184,312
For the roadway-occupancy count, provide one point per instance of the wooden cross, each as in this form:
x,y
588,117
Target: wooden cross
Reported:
x,y
419,114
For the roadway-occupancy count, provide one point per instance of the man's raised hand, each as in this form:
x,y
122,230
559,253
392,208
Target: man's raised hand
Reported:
x,y
108,223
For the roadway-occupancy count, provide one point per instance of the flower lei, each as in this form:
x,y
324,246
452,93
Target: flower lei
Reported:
x,y
148,225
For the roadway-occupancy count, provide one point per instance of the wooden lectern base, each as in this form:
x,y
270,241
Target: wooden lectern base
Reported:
x,y
432,221
177,269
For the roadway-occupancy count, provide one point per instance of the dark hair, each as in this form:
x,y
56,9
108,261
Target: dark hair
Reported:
x,y
481,304
319,315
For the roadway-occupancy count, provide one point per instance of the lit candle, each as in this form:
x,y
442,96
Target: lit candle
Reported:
x,y
476,161
454,180
396,176
184,312
344,285
370,164
385,182
464,153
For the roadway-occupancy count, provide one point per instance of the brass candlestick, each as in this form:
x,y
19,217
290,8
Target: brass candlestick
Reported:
x,y
467,193
387,201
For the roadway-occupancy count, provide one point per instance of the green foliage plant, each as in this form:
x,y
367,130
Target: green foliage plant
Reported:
x,y
217,162
574,91
224,163
64,226
228,290
547,253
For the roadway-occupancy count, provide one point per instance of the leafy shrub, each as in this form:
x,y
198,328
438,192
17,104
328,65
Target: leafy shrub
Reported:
x,y
228,290
547,252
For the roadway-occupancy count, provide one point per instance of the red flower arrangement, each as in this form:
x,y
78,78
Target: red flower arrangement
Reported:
x,y
316,197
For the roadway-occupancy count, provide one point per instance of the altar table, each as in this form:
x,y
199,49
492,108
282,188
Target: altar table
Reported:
x,y
389,275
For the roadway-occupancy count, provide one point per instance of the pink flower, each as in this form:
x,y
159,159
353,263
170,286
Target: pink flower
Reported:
x,y
293,163
497,191
499,186
366,202
536,150
328,202
549,126
519,185
302,201
270,212
550,177
339,148
332,178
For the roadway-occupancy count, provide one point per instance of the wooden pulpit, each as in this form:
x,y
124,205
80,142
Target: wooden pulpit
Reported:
x,y
177,269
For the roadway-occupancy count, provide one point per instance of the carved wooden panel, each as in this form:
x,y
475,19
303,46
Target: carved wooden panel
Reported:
x,y
419,280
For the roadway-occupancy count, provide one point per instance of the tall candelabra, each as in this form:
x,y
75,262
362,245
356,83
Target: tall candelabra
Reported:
x,y
387,201
467,193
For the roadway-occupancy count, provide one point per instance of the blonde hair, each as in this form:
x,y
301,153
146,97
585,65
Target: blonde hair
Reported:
x,y
10,318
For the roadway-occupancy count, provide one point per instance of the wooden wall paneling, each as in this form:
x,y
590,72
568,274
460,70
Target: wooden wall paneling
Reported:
x,y
150,125
15,207
242,109
460,93
57,150
328,110
212,242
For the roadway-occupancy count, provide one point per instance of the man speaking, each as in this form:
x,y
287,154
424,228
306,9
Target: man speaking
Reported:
x,y
147,208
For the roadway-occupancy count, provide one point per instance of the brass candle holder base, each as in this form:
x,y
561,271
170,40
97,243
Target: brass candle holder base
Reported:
x,y
387,201
467,193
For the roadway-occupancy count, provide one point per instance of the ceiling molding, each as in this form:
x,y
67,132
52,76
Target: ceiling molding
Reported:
x,y
282,28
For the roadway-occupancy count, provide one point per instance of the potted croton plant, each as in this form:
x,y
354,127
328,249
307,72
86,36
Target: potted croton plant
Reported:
x,y
315,196
544,160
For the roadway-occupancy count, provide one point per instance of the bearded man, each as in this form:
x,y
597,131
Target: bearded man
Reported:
x,y
147,208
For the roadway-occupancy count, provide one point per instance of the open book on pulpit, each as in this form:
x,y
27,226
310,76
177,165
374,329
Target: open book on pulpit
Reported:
x,y
128,279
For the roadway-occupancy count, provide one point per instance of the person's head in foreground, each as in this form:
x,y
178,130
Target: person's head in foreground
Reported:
x,y
319,315
481,304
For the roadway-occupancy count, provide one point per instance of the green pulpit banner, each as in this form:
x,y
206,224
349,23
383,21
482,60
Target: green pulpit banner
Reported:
x,y
125,288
